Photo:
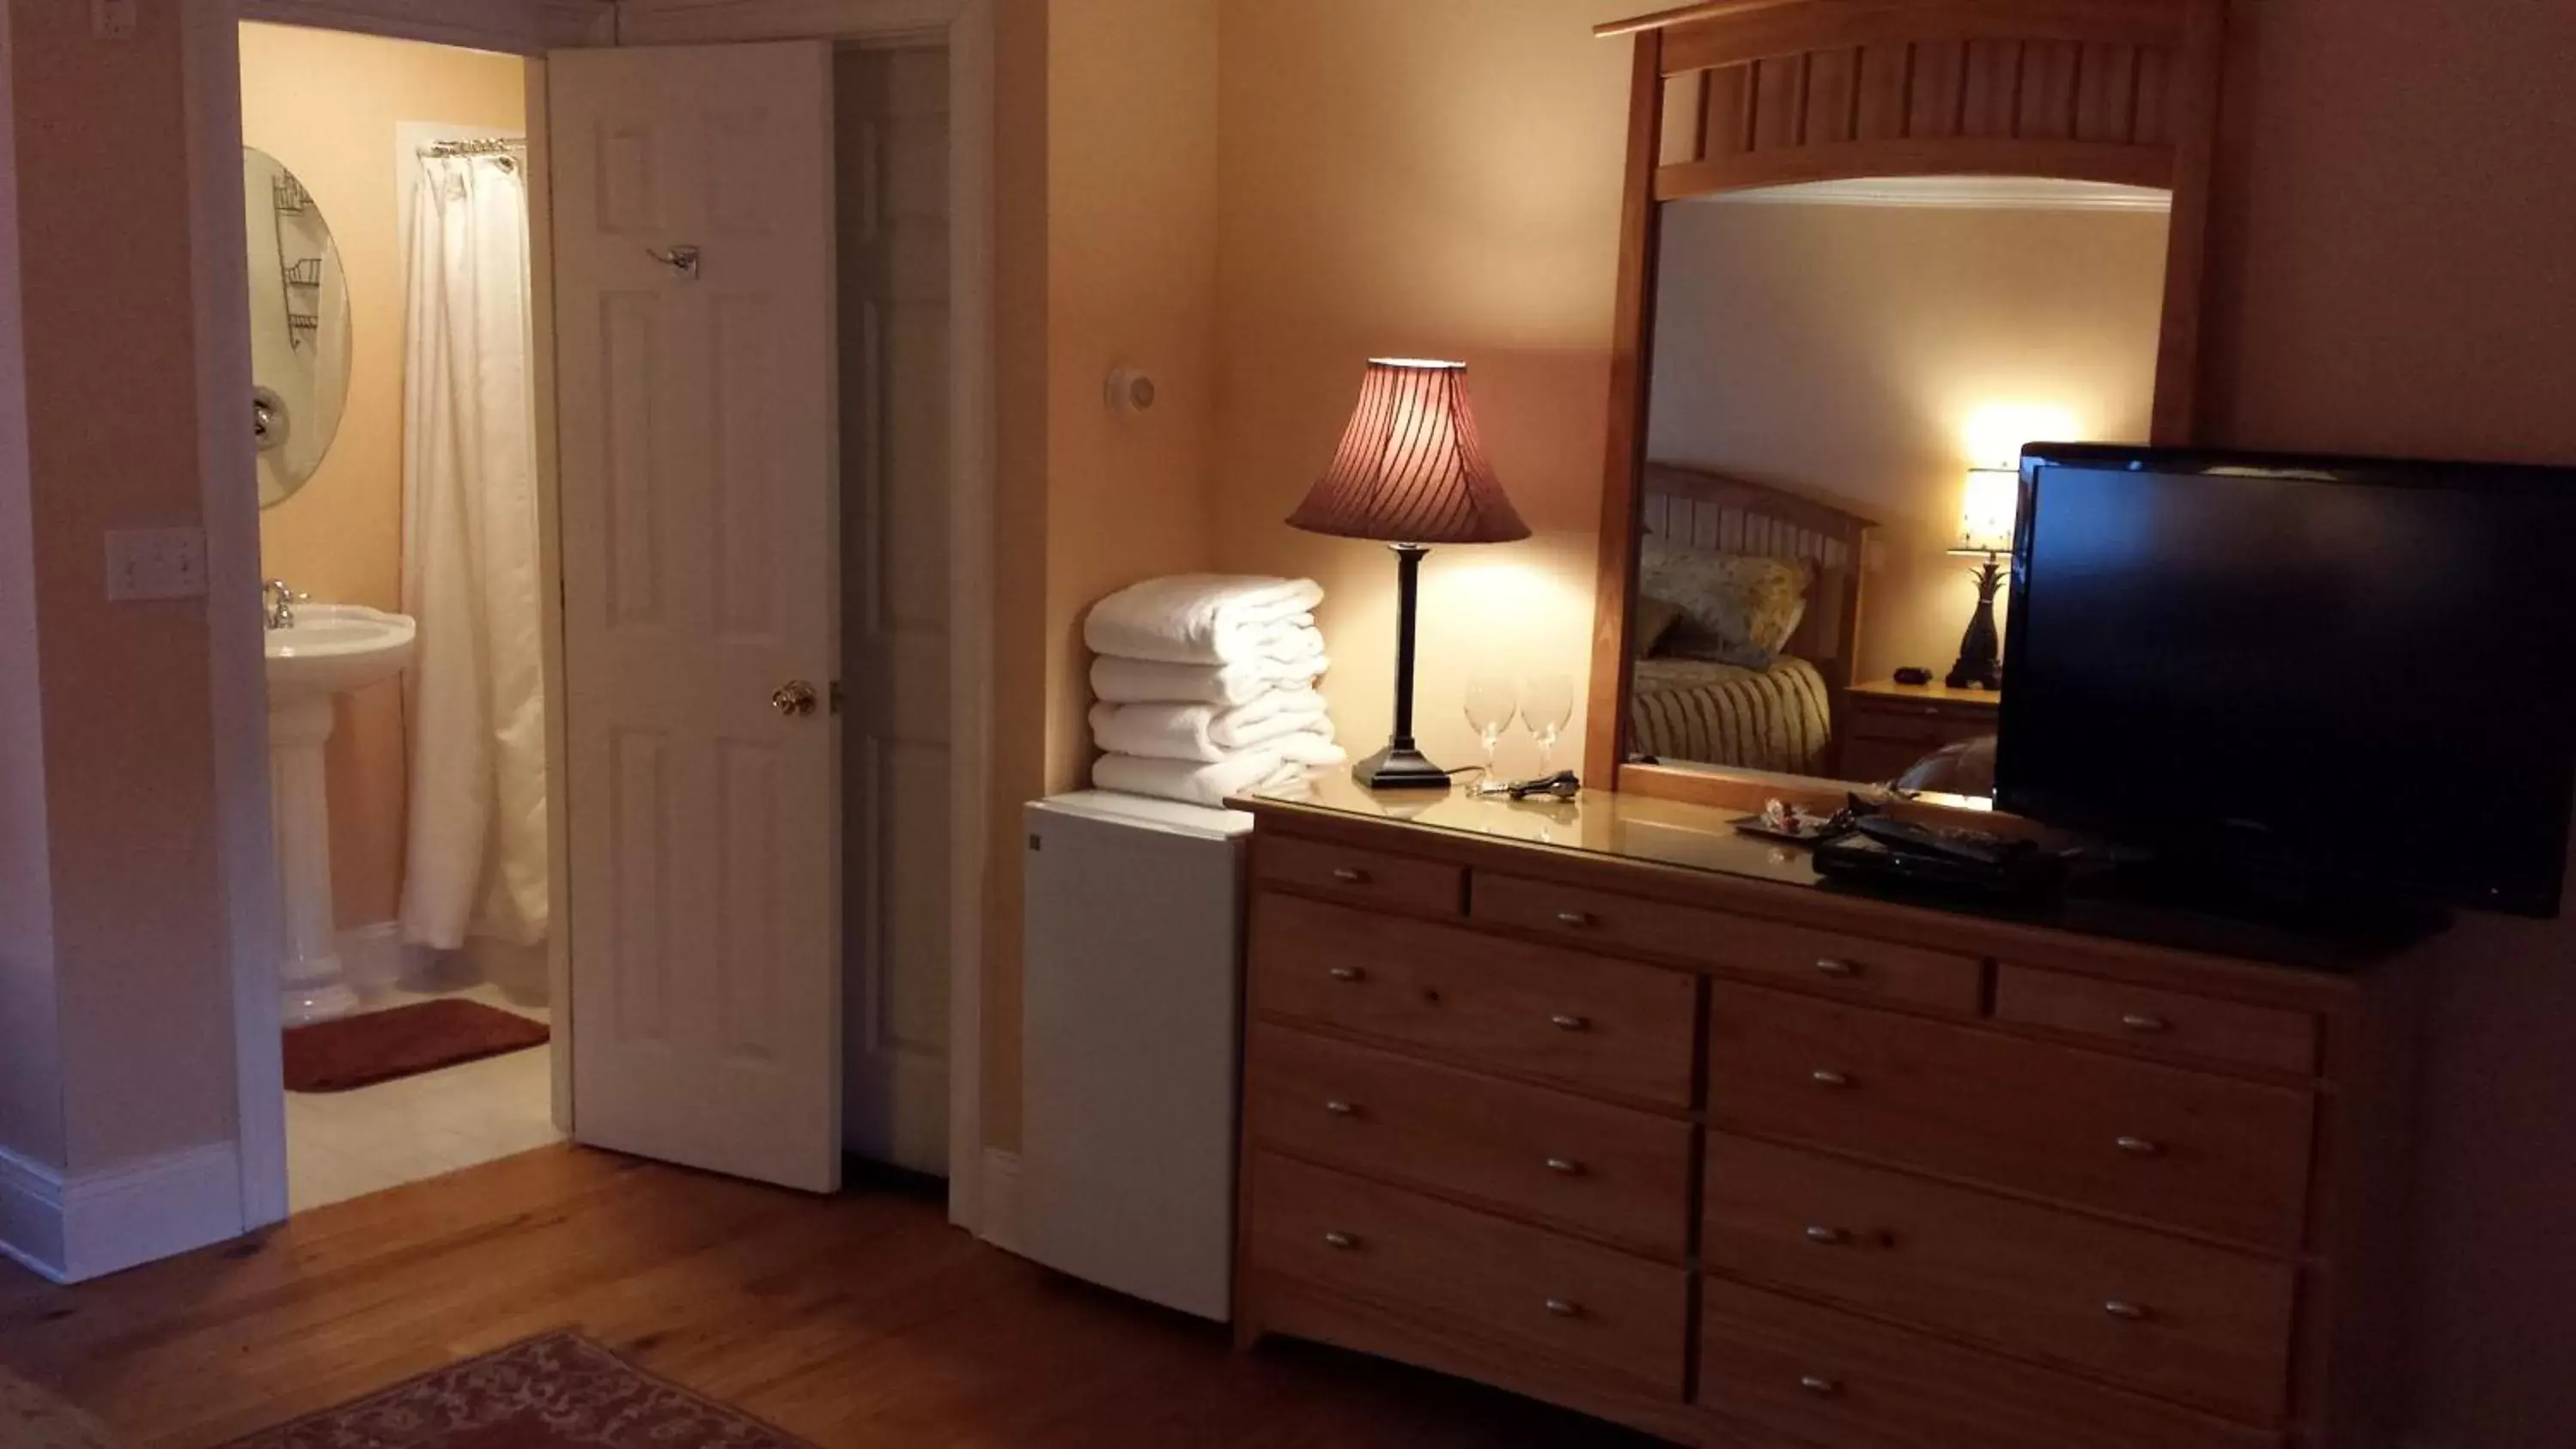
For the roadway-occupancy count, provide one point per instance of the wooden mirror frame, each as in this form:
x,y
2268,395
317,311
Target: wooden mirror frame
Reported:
x,y
1739,94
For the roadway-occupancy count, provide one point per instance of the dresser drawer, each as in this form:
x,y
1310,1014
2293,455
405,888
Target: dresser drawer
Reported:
x,y
2210,1154
1843,965
2168,1023
2208,1326
1569,1302
1826,1377
1611,1172
1609,1028
1403,882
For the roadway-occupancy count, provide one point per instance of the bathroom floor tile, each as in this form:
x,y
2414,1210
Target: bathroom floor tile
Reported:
x,y
341,1145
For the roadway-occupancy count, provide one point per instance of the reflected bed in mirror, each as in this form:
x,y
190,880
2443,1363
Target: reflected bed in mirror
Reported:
x,y
299,326
1830,362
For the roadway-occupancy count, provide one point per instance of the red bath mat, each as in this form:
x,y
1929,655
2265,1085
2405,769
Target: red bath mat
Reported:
x,y
560,1391
359,1051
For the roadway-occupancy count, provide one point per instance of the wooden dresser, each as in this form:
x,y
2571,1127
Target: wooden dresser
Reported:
x,y
1605,1104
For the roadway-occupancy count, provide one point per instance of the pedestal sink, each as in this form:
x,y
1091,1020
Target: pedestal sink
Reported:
x,y
329,650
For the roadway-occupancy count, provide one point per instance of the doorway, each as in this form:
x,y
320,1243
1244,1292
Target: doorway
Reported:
x,y
909,495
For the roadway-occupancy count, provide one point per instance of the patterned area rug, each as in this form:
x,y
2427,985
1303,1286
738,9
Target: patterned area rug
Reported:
x,y
31,1418
556,1391
378,1046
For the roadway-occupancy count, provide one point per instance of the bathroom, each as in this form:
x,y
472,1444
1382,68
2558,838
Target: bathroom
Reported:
x,y
404,352
385,206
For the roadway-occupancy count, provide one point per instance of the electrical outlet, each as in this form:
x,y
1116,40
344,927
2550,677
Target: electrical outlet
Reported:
x,y
111,19
156,563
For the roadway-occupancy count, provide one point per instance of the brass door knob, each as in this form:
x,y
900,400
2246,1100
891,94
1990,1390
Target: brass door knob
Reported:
x,y
794,698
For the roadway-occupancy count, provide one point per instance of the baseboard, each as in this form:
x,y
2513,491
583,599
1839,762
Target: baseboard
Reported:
x,y
31,1215
71,1227
1001,1225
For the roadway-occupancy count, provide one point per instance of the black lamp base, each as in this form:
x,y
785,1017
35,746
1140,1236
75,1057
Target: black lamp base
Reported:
x,y
1400,767
1980,664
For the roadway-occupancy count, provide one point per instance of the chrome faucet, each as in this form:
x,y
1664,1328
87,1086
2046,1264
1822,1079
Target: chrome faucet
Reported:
x,y
282,599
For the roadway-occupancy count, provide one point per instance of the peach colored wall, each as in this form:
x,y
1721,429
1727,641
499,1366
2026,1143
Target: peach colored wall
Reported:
x,y
107,311
1131,267
1128,250
31,1117
327,104
1019,642
1845,350
1438,178
2392,273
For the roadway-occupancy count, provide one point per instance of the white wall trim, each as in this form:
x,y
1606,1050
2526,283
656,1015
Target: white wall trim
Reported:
x,y
1001,1222
246,857
1976,193
518,27
71,1227
31,1215
967,29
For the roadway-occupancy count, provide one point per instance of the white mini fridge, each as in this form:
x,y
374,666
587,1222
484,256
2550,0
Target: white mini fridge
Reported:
x,y
1132,1031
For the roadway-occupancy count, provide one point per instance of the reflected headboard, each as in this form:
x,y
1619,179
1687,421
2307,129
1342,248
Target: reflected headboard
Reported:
x,y
1726,514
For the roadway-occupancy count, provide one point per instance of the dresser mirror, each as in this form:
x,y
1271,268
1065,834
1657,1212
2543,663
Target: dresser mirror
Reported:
x,y
1843,375
1868,254
299,327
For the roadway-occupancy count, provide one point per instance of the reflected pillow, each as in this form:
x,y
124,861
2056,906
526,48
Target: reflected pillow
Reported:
x,y
1655,620
1736,608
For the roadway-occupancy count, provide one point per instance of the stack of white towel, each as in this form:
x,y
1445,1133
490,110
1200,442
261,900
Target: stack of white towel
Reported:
x,y
1206,685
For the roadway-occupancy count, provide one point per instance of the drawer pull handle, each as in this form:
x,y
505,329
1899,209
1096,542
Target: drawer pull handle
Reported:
x,y
1825,1078
1563,1022
1828,1236
1341,1109
1820,1386
1565,1167
2142,1147
2123,1308
1350,875
1576,919
1838,969
1340,1240
2137,1021
1348,973
1564,1309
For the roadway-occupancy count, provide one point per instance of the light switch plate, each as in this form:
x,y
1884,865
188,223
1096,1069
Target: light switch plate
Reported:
x,y
156,563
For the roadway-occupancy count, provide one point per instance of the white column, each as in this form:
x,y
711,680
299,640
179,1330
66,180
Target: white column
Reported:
x,y
310,978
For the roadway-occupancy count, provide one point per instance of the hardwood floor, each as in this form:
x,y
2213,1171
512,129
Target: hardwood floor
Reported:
x,y
861,1320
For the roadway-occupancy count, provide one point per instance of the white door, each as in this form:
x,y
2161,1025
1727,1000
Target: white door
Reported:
x,y
695,392
892,107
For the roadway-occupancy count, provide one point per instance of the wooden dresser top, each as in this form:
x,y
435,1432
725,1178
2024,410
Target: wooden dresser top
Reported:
x,y
1683,851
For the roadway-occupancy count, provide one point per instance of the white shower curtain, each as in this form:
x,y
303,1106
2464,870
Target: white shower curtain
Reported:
x,y
476,864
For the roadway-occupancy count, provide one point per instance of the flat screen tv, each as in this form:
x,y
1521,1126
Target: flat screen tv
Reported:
x,y
2344,679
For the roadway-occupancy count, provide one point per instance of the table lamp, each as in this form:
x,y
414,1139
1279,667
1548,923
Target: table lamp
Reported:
x,y
1411,471
1985,528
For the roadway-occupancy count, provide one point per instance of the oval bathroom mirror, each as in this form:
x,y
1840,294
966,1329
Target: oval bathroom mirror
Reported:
x,y
299,327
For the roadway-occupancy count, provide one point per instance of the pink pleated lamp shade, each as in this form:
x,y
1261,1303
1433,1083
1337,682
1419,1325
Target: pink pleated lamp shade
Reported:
x,y
1411,468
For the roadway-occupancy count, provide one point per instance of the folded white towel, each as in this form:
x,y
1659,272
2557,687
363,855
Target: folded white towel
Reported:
x,y
1147,681
1193,781
1205,731
1203,618
1311,747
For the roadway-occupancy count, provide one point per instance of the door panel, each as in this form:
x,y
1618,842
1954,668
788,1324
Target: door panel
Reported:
x,y
893,141
699,469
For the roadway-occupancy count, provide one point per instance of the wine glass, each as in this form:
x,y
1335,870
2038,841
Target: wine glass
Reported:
x,y
1492,700
1547,707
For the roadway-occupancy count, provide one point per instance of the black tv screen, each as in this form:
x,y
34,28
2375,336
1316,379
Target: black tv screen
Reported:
x,y
2352,674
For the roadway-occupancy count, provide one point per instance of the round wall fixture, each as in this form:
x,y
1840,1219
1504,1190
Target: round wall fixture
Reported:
x,y
1129,390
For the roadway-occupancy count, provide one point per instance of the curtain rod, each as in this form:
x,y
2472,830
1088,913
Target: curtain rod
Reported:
x,y
500,147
